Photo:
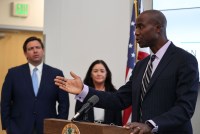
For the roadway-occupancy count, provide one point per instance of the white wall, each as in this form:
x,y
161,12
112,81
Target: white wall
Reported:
x,y
33,22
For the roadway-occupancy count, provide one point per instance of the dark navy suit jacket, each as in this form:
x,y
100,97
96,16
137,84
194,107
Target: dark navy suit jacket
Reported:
x,y
171,97
21,110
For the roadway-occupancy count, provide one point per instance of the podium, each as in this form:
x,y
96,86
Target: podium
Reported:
x,y
58,126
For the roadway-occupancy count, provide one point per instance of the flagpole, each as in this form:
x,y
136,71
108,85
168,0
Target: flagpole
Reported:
x,y
136,15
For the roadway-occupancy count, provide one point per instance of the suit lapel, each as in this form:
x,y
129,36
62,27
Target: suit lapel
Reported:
x,y
42,82
44,78
27,78
162,65
137,86
142,67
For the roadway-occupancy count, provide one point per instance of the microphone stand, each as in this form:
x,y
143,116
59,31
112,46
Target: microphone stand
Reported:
x,y
85,108
85,116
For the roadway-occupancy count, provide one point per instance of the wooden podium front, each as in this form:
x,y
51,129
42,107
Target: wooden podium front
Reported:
x,y
56,126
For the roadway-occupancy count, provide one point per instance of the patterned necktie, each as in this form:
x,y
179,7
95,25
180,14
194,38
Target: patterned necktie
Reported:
x,y
35,81
145,82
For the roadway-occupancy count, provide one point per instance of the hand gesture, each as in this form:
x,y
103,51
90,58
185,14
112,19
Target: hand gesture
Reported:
x,y
73,86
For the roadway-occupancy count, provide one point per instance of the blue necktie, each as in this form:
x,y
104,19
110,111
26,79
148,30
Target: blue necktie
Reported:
x,y
35,81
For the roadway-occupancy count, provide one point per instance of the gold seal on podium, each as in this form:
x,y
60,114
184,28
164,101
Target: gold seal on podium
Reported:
x,y
70,129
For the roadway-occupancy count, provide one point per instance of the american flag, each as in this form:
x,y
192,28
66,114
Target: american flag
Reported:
x,y
133,48
131,59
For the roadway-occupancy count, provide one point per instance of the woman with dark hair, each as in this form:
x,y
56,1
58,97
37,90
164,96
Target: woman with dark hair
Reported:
x,y
99,77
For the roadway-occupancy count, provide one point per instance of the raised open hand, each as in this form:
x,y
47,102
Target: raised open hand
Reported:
x,y
73,86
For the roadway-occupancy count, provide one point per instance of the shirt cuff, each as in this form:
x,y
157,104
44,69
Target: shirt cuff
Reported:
x,y
155,127
83,94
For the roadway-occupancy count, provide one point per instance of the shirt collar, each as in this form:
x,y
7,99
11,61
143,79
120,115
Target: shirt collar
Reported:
x,y
159,54
39,67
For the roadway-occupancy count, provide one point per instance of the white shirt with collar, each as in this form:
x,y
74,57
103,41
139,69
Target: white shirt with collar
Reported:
x,y
159,54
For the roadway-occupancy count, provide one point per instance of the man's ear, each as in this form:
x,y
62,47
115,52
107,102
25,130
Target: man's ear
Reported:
x,y
159,28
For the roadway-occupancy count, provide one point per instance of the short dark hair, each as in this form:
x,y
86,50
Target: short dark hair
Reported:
x,y
108,82
158,17
32,38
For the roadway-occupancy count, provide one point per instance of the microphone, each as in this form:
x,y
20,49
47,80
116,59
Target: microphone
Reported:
x,y
89,104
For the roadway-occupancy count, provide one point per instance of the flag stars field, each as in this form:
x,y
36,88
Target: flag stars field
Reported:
x,y
130,45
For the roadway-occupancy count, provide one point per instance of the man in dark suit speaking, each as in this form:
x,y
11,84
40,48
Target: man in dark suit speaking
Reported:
x,y
29,94
163,87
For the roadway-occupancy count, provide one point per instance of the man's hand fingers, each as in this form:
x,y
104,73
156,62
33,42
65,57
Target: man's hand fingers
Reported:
x,y
74,75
